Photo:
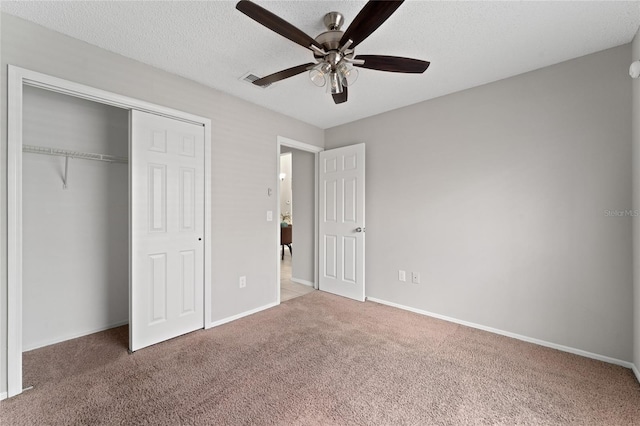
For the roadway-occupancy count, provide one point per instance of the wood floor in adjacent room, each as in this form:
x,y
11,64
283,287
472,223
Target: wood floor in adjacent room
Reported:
x,y
321,359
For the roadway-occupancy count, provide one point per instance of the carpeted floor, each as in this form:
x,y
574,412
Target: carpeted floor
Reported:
x,y
321,360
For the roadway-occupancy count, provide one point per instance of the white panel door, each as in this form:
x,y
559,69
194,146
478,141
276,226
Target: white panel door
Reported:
x,y
342,226
167,229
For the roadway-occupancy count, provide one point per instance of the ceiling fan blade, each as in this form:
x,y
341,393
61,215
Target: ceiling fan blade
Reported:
x,y
393,64
275,23
372,15
340,98
281,75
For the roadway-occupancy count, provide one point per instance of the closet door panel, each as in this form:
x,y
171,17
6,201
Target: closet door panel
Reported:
x,y
158,288
188,266
167,212
187,199
157,197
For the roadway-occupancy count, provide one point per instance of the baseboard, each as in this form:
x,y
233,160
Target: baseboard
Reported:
x,y
563,348
303,282
241,315
636,372
3,395
73,336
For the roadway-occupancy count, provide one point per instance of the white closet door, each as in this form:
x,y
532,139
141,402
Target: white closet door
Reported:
x,y
167,225
342,226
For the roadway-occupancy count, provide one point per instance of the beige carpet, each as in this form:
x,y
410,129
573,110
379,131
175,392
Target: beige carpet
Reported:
x,y
321,360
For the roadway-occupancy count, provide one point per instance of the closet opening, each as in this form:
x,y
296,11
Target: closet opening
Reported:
x,y
75,225
137,156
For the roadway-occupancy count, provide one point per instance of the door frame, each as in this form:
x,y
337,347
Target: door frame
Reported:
x,y
17,78
315,150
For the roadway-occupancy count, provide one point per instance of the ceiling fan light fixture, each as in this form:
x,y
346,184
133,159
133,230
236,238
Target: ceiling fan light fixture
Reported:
x,y
318,73
335,85
348,75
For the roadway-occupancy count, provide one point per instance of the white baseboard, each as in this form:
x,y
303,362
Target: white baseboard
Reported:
x,y
563,348
64,338
241,315
3,395
303,282
636,372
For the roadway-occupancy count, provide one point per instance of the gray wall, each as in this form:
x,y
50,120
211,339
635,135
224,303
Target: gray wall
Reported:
x,y
243,136
497,196
75,240
303,187
635,48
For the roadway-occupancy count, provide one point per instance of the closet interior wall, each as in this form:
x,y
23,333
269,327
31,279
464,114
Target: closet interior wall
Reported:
x,y
75,240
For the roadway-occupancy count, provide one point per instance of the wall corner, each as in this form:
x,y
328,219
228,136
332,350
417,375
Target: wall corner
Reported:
x,y
635,196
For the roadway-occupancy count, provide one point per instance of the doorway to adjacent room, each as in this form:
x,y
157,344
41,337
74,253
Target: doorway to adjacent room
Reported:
x,y
297,233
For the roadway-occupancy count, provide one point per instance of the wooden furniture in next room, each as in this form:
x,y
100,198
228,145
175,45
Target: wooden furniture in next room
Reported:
x,y
285,238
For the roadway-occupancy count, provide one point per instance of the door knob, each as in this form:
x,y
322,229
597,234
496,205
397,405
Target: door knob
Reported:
x,y
359,229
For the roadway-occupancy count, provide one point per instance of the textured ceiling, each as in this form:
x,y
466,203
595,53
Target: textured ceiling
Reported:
x,y
468,44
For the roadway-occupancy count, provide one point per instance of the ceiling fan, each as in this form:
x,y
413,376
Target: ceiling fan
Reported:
x,y
333,50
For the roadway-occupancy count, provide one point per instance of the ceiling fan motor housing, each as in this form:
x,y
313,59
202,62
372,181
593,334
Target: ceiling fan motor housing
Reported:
x,y
330,40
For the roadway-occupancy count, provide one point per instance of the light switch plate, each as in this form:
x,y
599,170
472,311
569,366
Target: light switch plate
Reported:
x,y
269,216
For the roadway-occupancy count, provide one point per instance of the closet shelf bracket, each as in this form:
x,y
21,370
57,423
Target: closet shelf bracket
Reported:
x,y
66,172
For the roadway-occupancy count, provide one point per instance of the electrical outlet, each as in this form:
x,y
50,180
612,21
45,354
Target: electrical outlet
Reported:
x,y
243,281
415,277
402,275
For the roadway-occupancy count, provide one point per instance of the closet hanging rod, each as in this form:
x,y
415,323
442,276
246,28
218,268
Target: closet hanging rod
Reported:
x,y
73,154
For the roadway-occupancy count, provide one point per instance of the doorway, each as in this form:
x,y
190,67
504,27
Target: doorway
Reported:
x,y
338,218
18,79
297,201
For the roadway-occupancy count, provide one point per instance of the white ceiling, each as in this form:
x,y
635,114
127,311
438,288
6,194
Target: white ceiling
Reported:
x,y
468,44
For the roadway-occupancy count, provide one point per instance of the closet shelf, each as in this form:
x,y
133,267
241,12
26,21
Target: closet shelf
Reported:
x,y
73,154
